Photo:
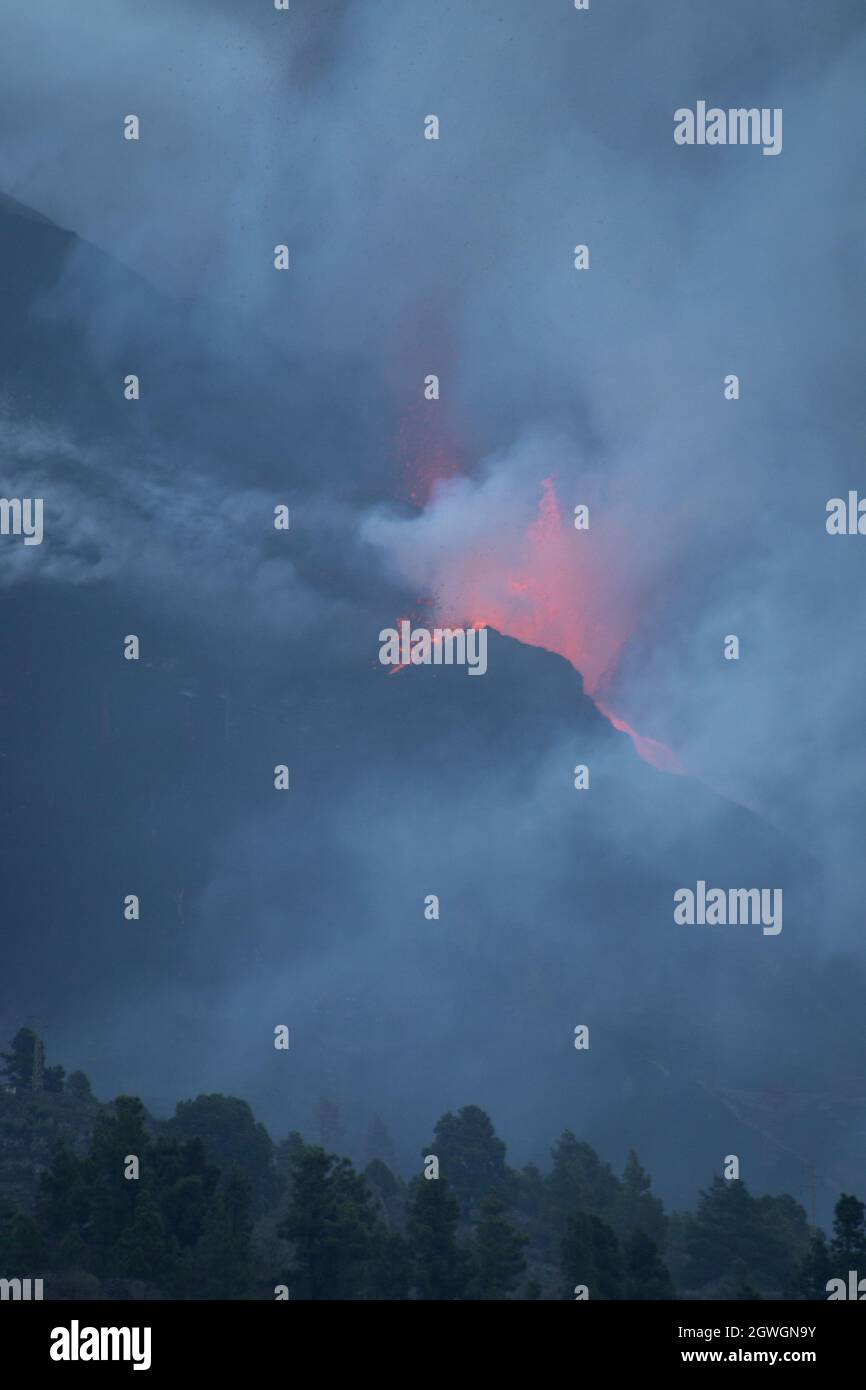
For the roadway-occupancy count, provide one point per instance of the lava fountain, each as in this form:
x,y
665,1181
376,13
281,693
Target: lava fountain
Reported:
x,y
542,582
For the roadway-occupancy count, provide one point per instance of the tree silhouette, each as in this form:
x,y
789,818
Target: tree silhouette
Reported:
x,y
590,1256
814,1272
470,1155
332,1227
848,1246
646,1276
18,1063
638,1209
497,1253
440,1268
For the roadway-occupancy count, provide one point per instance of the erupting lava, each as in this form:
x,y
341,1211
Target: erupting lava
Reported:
x,y
547,584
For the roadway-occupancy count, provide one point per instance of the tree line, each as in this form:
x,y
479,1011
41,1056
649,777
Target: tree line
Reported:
x,y
211,1208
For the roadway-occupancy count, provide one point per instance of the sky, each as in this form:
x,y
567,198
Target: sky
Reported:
x,y
558,387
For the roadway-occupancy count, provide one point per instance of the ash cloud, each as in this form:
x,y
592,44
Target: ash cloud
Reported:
x,y
411,257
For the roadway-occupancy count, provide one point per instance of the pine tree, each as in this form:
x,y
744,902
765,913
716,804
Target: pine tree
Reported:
x,y
286,1149
223,1255
111,1196
22,1246
440,1266
646,1276
638,1209
62,1204
590,1256
142,1250
185,1205
784,1234
578,1182
389,1272
78,1085
332,1227
233,1138
18,1064
527,1191
387,1193
497,1252
24,1067
734,1240
848,1246
470,1155
810,1281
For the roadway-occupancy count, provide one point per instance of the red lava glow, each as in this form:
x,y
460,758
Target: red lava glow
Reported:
x,y
553,587
650,749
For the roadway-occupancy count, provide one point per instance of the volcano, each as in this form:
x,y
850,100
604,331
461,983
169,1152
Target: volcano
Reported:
x,y
556,905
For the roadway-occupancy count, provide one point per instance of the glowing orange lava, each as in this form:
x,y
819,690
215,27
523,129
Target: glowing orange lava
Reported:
x,y
650,749
550,586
